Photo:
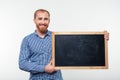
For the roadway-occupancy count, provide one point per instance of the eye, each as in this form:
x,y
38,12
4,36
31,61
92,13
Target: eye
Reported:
x,y
45,18
39,18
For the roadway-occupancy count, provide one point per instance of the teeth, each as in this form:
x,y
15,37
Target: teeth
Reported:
x,y
42,25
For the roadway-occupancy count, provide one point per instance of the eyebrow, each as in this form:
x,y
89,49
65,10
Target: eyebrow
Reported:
x,y
43,18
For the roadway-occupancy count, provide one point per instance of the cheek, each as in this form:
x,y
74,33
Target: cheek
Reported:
x,y
36,22
47,22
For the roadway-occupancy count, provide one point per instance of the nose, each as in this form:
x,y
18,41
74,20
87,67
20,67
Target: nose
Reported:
x,y
43,21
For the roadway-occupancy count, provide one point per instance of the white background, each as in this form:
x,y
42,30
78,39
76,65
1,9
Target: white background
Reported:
x,y
16,21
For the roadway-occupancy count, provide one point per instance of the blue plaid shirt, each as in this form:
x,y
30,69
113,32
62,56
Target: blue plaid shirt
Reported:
x,y
35,54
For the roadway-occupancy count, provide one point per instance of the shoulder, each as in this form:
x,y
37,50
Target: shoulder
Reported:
x,y
49,32
29,36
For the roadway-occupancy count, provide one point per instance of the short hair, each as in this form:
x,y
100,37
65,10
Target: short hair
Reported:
x,y
41,10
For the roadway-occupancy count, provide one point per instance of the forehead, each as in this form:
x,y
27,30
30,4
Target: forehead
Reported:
x,y
42,14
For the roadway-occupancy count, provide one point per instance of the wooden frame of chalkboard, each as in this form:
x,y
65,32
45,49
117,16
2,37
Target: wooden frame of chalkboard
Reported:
x,y
79,50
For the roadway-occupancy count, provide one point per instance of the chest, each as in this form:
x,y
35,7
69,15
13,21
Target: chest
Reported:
x,y
41,45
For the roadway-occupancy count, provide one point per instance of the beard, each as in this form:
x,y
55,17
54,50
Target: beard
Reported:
x,y
42,28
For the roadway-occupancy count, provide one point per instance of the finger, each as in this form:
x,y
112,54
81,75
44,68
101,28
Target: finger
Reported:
x,y
50,71
56,69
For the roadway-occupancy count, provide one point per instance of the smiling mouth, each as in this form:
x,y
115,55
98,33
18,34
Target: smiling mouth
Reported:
x,y
43,25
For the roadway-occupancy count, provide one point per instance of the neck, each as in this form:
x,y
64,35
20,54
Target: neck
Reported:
x,y
41,34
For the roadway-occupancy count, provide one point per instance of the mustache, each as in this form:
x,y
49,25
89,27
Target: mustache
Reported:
x,y
43,24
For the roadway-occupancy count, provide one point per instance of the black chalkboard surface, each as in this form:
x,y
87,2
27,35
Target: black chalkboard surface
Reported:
x,y
79,50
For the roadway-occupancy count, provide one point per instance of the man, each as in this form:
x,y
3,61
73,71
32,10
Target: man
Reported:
x,y
35,52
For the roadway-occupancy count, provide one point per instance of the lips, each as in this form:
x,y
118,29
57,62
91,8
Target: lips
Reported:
x,y
42,24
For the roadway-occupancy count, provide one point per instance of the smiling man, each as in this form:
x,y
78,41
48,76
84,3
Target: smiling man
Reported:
x,y
36,50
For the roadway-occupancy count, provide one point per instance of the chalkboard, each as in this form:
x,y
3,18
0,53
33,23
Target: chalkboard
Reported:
x,y
79,50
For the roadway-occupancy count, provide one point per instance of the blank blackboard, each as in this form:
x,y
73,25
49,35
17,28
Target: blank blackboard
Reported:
x,y
79,50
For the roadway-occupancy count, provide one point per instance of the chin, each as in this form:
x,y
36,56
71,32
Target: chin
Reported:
x,y
43,31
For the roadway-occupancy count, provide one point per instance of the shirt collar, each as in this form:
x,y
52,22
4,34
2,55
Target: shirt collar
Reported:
x,y
47,34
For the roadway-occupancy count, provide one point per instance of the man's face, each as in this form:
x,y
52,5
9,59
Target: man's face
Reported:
x,y
42,21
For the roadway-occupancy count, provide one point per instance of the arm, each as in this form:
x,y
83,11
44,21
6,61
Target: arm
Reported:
x,y
24,62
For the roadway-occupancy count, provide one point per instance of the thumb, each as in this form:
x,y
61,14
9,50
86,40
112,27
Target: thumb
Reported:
x,y
51,62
